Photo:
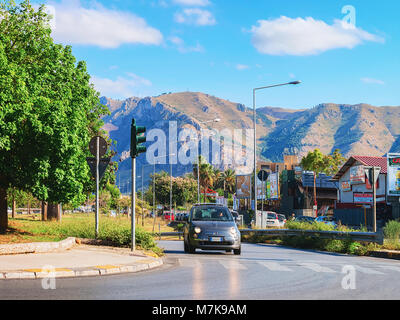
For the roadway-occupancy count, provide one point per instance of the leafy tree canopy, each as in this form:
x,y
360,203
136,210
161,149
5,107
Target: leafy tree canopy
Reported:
x,y
48,109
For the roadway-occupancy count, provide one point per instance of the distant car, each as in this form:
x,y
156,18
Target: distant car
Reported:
x,y
329,220
305,219
282,219
272,219
169,215
236,216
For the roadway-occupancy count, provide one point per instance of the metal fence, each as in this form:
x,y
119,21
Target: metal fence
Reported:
x,y
338,235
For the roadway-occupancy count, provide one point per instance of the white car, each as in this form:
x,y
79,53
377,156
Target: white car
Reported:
x,y
272,219
282,220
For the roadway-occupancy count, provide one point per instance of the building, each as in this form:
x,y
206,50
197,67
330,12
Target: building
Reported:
x,y
297,193
354,188
355,194
290,162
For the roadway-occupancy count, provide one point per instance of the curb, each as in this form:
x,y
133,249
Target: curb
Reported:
x,y
145,264
387,254
36,247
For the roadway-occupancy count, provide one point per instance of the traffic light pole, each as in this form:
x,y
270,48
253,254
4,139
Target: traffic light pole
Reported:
x,y
97,186
133,204
136,149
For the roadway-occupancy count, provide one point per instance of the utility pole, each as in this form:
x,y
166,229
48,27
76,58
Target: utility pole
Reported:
x,y
136,148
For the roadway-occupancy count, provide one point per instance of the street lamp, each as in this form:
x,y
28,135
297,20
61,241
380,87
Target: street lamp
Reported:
x,y
255,135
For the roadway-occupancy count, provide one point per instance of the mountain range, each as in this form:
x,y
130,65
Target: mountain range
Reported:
x,y
359,129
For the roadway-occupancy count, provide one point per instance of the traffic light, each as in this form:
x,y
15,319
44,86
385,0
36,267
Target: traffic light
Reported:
x,y
137,139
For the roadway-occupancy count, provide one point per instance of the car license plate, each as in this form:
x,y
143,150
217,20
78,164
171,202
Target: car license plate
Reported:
x,y
215,239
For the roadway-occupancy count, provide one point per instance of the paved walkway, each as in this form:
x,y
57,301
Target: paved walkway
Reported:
x,y
81,260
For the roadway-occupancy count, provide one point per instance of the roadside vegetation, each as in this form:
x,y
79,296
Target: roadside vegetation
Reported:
x,y
112,230
391,242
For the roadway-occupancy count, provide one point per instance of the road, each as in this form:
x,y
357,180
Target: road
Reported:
x,y
261,272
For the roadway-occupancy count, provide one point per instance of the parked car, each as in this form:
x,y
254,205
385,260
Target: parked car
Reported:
x,y
305,219
282,220
272,219
236,216
211,227
168,215
327,220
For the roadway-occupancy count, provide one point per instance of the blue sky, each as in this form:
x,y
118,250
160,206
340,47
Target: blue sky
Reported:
x,y
225,48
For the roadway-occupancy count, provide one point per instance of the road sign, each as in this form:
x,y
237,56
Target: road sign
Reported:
x,y
102,146
262,175
368,173
103,164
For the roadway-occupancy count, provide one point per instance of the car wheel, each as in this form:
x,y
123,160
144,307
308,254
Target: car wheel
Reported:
x,y
237,251
191,249
185,247
227,251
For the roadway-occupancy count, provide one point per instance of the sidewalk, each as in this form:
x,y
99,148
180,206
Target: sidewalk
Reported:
x,y
81,260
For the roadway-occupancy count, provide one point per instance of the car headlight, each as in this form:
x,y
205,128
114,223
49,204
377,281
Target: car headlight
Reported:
x,y
233,230
197,230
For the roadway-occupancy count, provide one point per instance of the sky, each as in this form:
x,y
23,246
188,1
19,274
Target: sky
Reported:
x,y
343,51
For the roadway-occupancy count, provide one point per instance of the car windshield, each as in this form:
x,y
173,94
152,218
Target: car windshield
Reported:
x,y
271,216
211,214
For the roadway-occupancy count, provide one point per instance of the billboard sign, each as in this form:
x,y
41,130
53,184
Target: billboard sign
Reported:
x,y
261,192
357,175
273,185
243,186
366,198
393,174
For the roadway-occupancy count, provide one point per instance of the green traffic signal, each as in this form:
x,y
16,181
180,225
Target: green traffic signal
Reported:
x,y
137,138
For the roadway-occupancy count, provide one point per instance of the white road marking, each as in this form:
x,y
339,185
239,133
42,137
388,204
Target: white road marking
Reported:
x,y
231,264
393,268
274,266
316,267
367,270
190,263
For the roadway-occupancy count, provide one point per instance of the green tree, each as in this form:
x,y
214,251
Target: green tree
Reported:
x,y
318,162
48,111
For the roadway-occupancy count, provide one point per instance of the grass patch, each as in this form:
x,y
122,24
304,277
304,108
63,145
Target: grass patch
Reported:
x,y
115,230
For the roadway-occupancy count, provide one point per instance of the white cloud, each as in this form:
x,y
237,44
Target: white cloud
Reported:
x,y
101,27
372,81
195,16
180,44
242,67
199,3
300,37
122,87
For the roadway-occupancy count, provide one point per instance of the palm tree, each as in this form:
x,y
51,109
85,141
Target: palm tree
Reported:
x,y
229,180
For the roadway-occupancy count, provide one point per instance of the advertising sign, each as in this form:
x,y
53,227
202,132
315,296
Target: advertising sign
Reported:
x,y
393,174
357,175
261,193
366,198
243,186
346,186
274,181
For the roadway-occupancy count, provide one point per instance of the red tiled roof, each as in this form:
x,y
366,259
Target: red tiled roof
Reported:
x,y
373,161
366,161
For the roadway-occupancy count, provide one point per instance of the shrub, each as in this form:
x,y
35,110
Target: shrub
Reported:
x,y
392,230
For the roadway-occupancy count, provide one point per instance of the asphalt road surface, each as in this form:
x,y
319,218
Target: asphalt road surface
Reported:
x,y
261,272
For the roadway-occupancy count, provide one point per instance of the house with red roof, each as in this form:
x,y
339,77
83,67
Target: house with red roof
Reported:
x,y
354,188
